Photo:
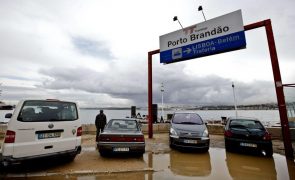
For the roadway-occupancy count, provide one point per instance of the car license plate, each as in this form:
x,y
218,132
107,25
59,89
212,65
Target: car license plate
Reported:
x,y
49,135
248,145
121,149
190,141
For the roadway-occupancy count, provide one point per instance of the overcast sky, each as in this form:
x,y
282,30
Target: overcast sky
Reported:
x,y
95,52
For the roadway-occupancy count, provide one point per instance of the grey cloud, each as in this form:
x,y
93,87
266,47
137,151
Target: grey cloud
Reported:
x,y
12,94
179,87
18,78
15,93
92,48
117,86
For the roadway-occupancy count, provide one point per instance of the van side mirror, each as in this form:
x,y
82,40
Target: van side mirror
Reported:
x,y
8,115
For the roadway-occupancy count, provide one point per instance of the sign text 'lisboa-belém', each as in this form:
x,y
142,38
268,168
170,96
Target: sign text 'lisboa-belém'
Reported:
x,y
222,34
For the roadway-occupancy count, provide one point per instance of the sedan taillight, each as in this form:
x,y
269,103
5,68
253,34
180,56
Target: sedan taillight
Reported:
x,y
228,133
138,139
79,131
122,139
9,137
267,136
104,138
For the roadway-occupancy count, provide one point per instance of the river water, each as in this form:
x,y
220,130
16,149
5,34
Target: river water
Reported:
x,y
88,115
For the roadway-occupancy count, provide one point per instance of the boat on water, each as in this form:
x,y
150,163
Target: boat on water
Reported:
x,y
4,106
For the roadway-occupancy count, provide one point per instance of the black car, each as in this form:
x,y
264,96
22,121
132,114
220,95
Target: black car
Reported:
x,y
248,135
188,131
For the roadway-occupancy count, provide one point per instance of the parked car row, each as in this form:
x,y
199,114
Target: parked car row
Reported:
x,y
189,131
48,128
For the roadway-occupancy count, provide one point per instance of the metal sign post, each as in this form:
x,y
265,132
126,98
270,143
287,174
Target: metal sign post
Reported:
x,y
277,82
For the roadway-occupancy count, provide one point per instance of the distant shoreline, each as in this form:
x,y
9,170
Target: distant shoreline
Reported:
x,y
179,109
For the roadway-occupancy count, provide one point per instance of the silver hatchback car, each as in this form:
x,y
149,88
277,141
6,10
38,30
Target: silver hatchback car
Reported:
x,y
188,131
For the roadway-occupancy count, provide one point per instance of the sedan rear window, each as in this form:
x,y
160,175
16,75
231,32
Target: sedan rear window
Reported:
x,y
244,123
42,111
187,118
118,124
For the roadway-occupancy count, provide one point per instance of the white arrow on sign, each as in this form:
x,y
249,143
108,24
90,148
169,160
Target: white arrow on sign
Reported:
x,y
188,50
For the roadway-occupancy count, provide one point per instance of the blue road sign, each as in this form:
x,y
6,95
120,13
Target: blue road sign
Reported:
x,y
205,48
218,35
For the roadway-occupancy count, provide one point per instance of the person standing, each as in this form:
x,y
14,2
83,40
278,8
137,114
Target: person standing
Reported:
x,y
100,122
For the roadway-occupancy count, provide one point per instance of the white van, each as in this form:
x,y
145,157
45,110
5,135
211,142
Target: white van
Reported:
x,y
41,128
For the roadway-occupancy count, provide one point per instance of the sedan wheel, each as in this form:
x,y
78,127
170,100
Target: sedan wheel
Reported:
x,y
103,153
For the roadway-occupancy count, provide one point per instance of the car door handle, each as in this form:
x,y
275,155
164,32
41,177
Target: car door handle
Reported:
x,y
48,147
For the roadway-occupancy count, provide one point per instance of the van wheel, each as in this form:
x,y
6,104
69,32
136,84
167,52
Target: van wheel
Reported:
x,y
103,153
70,158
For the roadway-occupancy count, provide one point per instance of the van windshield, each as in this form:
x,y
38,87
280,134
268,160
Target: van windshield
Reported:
x,y
42,111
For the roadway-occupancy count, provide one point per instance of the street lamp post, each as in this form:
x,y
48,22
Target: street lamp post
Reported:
x,y
162,91
235,101
201,9
0,90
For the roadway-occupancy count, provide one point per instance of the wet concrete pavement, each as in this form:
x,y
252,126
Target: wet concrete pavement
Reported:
x,y
159,162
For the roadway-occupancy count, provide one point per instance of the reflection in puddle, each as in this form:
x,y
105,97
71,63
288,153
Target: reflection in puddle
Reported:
x,y
190,164
218,164
250,167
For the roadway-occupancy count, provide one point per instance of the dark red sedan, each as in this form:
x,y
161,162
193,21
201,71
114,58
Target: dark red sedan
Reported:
x,y
121,136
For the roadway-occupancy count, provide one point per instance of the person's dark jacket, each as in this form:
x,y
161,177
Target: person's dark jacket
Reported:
x,y
100,120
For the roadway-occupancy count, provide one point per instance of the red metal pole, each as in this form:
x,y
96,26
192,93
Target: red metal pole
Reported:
x,y
279,90
254,25
278,84
150,90
150,94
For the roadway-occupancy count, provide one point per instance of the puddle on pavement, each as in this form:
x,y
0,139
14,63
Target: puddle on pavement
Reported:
x,y
219,164
216,164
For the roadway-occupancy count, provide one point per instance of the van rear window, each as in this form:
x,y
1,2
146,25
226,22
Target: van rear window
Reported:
x,y
42,111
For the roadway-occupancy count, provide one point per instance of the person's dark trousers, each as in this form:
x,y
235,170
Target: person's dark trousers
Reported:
x,y
99,129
